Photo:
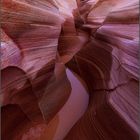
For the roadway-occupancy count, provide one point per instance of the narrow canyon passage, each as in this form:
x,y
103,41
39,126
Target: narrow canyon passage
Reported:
x,y
68,115
52,51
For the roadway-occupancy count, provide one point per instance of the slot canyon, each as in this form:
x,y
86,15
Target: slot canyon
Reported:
x,y
69,70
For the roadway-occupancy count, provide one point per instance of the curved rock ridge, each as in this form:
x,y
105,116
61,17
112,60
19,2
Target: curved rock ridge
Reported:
x,y
69,69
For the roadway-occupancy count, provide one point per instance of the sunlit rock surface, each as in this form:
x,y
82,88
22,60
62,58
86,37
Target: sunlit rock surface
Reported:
x,y
69,69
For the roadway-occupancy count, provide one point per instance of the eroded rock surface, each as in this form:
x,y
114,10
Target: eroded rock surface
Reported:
x,y
69,69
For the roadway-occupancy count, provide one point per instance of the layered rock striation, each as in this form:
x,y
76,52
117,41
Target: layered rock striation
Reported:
x,y
69,69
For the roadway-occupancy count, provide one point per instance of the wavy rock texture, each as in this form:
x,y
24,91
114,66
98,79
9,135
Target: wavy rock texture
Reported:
x,y
69,69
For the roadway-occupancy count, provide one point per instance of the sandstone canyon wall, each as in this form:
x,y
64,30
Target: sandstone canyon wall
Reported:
x,y
69,69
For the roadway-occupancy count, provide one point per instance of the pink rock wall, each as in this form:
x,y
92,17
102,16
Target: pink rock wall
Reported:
x,y
98,41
